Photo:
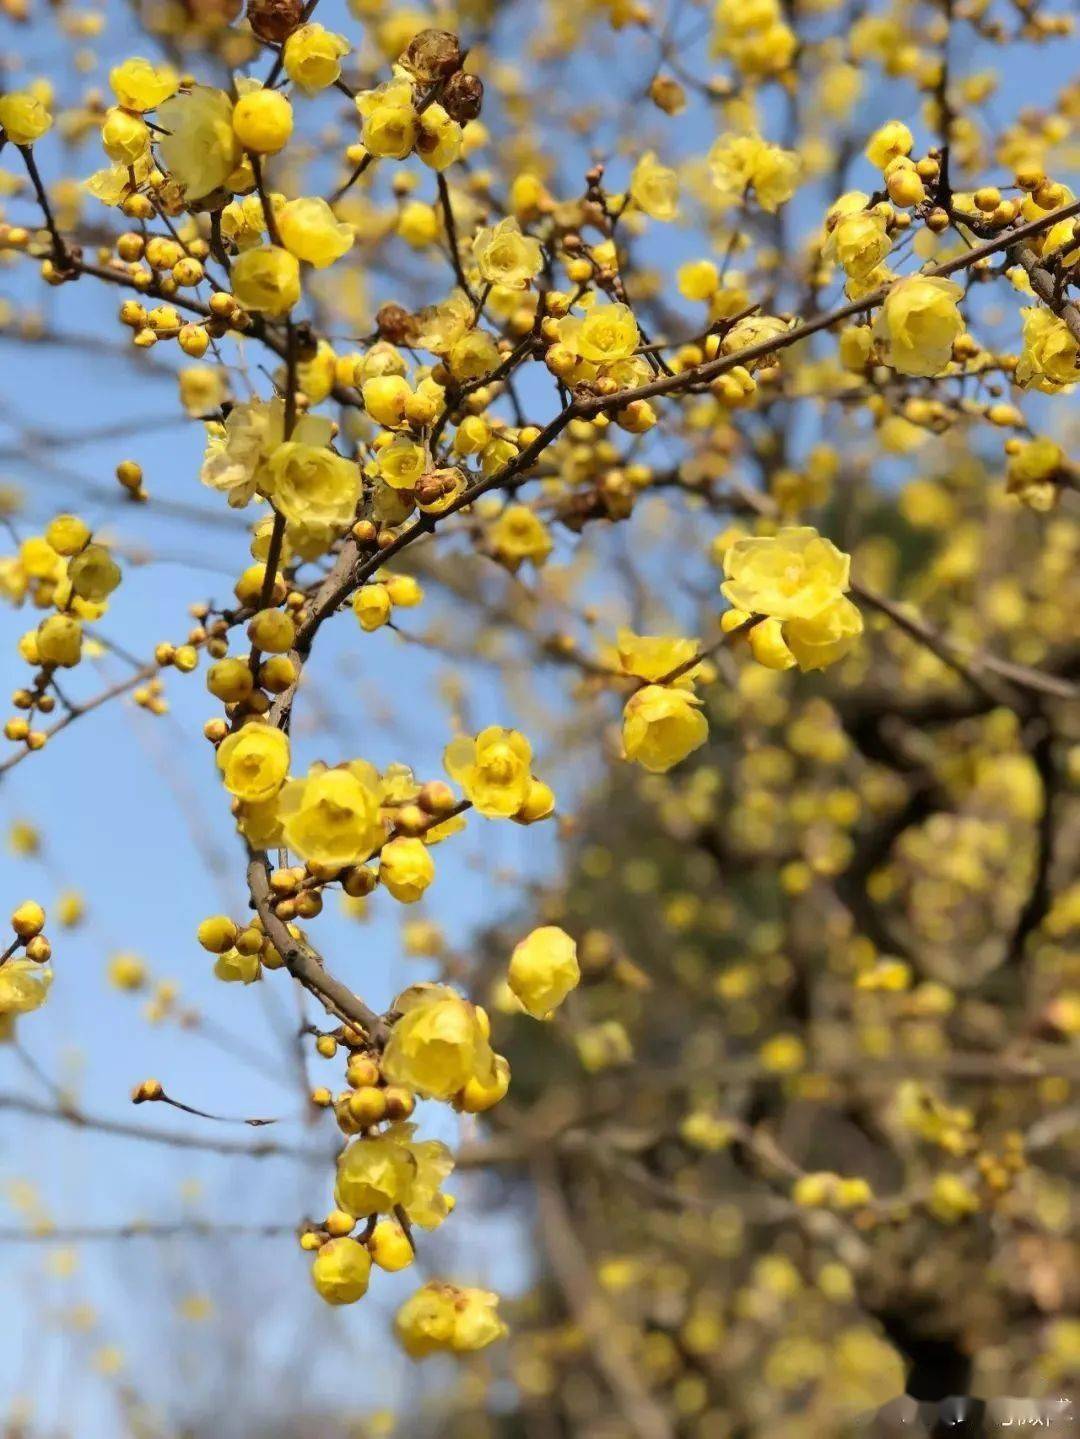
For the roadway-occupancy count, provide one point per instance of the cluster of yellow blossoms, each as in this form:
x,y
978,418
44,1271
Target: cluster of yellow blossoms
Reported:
x,y
68,572
438,1047
25,978
797,580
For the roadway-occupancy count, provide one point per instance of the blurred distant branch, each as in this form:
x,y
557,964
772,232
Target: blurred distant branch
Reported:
x,y
64,1112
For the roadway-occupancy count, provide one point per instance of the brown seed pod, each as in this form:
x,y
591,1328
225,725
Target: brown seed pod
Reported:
x,y
432,55
463,96
274,20
394,323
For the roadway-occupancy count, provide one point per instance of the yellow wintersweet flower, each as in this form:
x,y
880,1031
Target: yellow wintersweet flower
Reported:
x,y
1050,360
442,1317
952,1199
341,1271
438,1043
312,485
390,1247
752,33
312,57
140,85
858,242
825,637
480,1095
402,463
93,573
661,726
127,972
698,280
654,657
406,868
544,969
59,641
310,231
888,143
654,188
254,761
372,605
426,1205
743,163
197,143
1032,471
24,985
385,398
375,1173
605,334
504,256
425,1322
389,120
438,137
794,574
262,120
768,647
70,908
493,769
517,535
918,323
752,331
267,280
332,816
23,119
232,967
125,138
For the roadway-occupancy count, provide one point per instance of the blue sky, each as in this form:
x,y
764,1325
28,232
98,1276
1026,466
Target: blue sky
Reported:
x,y
132,816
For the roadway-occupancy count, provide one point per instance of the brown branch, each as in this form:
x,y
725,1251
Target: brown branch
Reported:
x,y
142,1229
71,1114
304,963
121,687
452,236
1043,283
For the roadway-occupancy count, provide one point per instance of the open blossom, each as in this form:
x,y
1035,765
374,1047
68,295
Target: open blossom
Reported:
x,y
504,256
753,34
607,333
312,57
791,575
197,141
743,164
310,231
858,242
654,657
1050,360
797,579
661,726
441,1317
254,761
332,816
438,1044
544,969
389,119
311,485
519,534
140,85
24,986
494,769
654,188
267,280
237,451
917,324
23,118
